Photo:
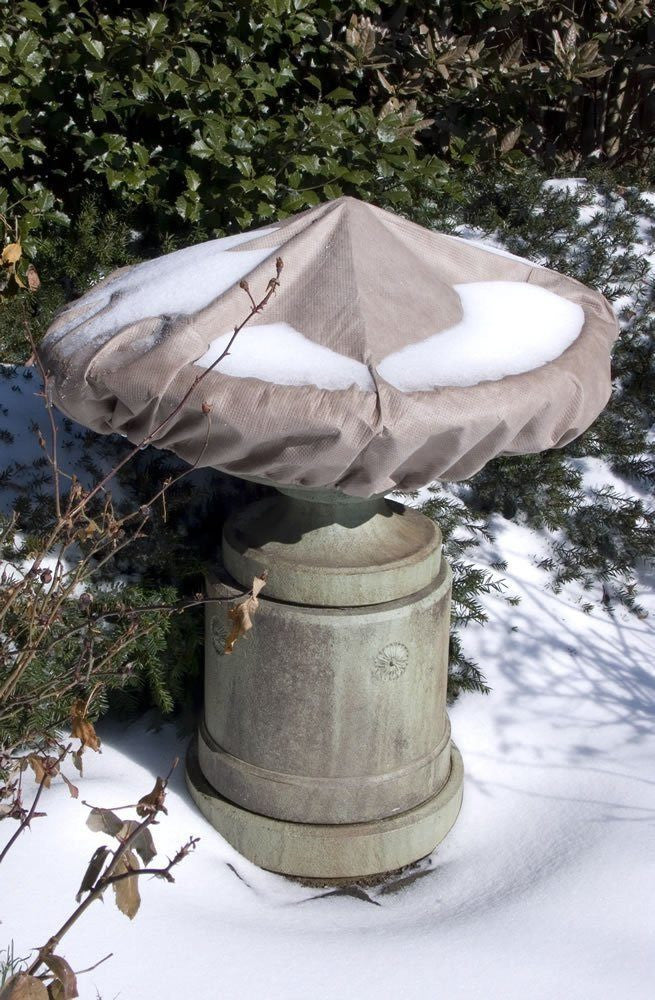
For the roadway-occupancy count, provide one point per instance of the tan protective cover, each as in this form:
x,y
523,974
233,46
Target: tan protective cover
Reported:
x,y
364,283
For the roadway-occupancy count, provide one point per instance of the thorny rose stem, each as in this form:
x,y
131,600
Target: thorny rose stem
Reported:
x,y
107,878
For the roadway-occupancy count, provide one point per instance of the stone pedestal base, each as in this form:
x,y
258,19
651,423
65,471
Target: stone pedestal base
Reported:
x,y
324,749
344,851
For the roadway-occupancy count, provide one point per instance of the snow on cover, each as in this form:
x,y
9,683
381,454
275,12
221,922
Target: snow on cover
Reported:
x,y
508,327
178,283
275,352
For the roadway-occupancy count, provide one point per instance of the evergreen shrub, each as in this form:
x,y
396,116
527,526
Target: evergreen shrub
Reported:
x,y
222,114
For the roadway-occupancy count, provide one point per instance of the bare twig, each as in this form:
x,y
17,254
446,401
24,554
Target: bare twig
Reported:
x,y
90,968
164,872
271,288
53,454
48,771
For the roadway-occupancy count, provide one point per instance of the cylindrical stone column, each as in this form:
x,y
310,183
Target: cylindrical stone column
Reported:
x,y
325,746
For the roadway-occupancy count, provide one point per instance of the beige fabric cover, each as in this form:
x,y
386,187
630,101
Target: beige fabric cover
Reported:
x,y
364,283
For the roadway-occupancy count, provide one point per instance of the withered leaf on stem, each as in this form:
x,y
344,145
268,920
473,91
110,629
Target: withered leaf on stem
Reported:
x,y
88,530
33,280
76,757
126,891
153,802
23,987
144,845
241,614
94,868
45,768
104,821
82,728
63,974
73,789
12,253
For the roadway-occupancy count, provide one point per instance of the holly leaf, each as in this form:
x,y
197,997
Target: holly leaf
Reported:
x,y
510,139
126,890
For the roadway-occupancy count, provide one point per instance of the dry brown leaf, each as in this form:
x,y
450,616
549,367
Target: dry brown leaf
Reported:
x,y
241,623
154,801
94,868
82,728
144,845
104,821
33,280
73,789
45,768
64,974
76,757
510,139
23,987
11,254
90,529
241,614
126,891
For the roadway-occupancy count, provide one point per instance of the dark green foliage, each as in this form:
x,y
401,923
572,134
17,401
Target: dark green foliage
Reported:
x,y
92,646
70,260
218,113
542,487
606,536
224,114
499,79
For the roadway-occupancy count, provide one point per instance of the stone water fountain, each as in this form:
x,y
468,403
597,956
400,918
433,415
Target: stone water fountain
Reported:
x,y
390,357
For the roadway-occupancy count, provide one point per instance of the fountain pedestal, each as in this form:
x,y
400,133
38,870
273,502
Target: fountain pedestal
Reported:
x,y
325,746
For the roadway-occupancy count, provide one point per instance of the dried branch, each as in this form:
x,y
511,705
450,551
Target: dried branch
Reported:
x,y
34,606
118,869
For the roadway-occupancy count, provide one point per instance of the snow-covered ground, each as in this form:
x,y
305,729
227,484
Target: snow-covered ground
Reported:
x,y
543,889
